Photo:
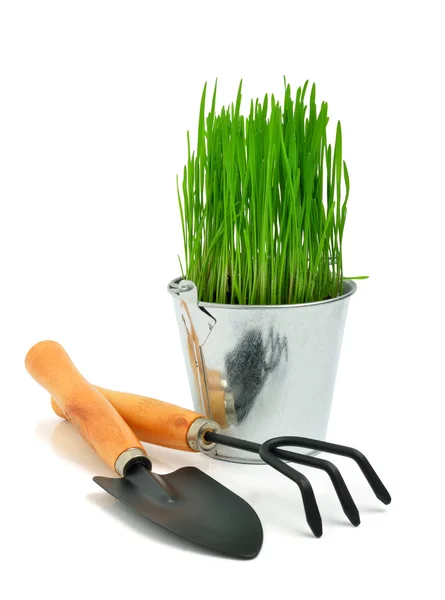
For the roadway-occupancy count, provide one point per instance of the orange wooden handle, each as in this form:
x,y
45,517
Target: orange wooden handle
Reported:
x,y
152,421
97,421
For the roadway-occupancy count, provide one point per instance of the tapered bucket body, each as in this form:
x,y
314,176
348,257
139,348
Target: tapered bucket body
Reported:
x,y
261,371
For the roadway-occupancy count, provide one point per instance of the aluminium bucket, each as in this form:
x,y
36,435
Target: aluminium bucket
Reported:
x,y
261,371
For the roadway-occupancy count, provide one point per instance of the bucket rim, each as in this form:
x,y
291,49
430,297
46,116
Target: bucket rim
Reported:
x,y
350,287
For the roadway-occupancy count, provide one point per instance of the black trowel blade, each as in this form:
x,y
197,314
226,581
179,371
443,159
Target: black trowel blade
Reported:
x,y
193,505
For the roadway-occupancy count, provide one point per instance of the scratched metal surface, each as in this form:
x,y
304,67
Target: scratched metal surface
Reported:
x,y
276,364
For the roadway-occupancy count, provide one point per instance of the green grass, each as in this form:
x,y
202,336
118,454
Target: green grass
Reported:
x,y
263,202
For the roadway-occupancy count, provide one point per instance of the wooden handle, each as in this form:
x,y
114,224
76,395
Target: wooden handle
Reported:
x,y
152,421
97,421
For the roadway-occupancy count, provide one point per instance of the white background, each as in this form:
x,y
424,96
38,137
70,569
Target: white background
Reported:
x,y
95,101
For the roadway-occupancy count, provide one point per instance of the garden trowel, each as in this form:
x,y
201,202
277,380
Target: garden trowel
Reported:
x,y
186,502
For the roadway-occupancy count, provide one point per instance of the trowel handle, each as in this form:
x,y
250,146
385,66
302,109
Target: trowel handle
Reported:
x,y
153,421
87,409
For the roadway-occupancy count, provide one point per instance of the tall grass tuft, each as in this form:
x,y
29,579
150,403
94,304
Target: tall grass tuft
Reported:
x,y
263,202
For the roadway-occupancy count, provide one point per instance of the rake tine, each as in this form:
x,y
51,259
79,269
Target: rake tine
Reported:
x,y
312,513
365,466
346,500
310,505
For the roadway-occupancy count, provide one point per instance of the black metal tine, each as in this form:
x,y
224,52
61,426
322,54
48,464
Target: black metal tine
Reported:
x,y
349,507
310,505
271,454
365,466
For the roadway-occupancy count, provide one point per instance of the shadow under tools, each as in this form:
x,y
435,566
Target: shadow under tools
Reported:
x,y
143,526
373,509
68,444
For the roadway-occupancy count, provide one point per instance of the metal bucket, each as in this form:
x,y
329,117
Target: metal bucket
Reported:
x,y
261,371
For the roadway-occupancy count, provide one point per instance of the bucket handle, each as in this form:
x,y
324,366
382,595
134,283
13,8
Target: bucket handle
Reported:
x,y
199,324
198,321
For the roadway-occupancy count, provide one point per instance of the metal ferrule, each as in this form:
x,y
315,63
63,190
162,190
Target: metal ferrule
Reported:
x,y
195,434
229,403
124,458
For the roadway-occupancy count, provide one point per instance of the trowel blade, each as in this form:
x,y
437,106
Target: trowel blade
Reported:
x,y
193,505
